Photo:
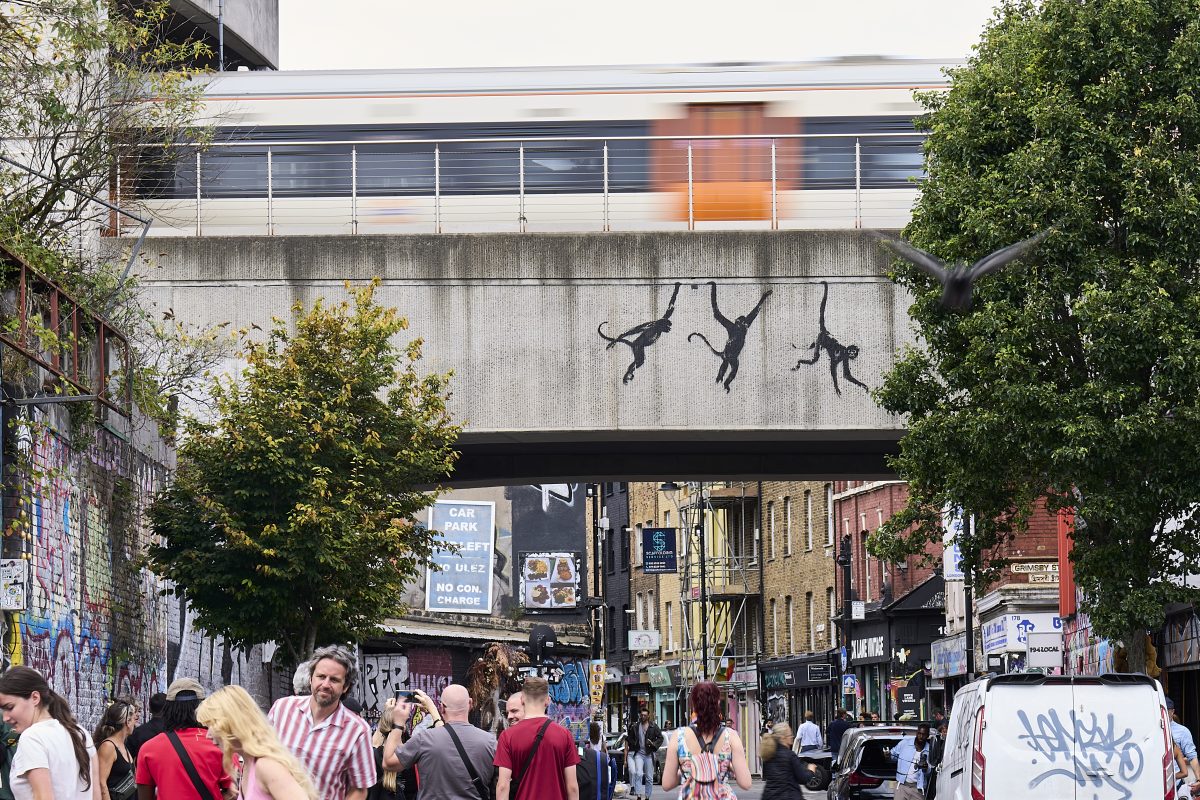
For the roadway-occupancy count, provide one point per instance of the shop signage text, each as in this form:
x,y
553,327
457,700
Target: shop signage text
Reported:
x,y
870,647
658,551
461,582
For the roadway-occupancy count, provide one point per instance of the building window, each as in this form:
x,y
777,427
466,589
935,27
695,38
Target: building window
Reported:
x,y
756,532
829,601
788,612
771,530
637,545
808,514
624,622
787,526
829,515
670,629
625,534
652,612
812,622
609,538
638,608
866,566
774,628
614,642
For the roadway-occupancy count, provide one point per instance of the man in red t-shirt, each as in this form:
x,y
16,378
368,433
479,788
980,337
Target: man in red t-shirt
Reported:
x,y
548,773
160,771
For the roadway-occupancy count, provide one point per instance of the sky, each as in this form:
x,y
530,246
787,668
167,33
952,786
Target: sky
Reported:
x,y
381,34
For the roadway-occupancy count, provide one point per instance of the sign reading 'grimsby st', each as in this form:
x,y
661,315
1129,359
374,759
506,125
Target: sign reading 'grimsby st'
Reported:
x,y
463,584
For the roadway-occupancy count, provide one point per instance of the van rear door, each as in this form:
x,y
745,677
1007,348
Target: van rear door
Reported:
x,y
1093,738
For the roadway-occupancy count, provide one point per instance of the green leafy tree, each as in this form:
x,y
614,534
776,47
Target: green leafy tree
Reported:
x,y
1076,377
291,515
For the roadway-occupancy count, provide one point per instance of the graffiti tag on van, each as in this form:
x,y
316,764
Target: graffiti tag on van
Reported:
x,y
1086,752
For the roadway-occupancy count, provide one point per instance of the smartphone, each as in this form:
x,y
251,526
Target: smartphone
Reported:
x,y
404,694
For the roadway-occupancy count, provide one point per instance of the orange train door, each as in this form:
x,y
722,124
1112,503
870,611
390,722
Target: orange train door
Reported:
x,y
731,178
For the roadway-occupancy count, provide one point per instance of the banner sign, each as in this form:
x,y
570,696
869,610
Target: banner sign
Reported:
x,y
550,581
599,671
658,551
464,582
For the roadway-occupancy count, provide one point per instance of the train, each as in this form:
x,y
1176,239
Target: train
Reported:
x,y
823,144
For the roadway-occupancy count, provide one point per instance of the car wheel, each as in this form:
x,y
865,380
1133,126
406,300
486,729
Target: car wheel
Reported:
x,y
818,778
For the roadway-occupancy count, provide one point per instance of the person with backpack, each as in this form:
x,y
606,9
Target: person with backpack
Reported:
x,y
706,752
595,769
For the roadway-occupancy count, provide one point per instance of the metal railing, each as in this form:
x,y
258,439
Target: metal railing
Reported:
x,y
526,184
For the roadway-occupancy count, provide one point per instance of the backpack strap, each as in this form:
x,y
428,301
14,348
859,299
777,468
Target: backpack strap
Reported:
x,y
189,767
707,747
537,742
462,753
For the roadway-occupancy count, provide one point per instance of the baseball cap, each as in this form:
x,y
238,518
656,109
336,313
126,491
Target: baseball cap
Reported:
x,y
1170,704
185,689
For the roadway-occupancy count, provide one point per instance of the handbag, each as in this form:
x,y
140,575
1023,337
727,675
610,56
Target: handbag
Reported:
x,y
127,788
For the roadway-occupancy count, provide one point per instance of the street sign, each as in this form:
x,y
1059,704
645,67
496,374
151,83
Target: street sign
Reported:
x,y
845,658
849,684
820,673
461,582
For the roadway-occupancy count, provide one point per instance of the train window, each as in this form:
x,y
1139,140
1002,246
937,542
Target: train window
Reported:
x,y
885,162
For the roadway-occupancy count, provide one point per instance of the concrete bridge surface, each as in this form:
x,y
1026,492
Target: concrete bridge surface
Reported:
x,y
594,356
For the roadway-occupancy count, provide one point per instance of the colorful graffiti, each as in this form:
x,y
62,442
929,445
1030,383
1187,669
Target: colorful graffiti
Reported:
x,y
570,703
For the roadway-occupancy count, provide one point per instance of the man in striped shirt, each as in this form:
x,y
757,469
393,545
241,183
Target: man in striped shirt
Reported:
x,y
333,743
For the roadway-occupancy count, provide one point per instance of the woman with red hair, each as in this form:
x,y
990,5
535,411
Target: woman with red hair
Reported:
x,y
706,752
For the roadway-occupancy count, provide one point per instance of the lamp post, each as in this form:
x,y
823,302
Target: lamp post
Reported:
x,y
845,559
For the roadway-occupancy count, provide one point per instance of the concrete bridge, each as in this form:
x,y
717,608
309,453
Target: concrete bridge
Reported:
x,y
597,356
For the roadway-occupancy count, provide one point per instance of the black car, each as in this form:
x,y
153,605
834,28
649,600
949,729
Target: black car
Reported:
x,y
818,765
864,767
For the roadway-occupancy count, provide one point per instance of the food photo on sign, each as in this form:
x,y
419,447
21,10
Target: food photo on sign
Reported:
x,y
550,580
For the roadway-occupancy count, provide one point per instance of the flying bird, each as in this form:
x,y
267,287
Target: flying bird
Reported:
x,y
958,280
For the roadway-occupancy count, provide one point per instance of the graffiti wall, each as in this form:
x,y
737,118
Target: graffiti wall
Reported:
x,y
383,674
569,699
94,622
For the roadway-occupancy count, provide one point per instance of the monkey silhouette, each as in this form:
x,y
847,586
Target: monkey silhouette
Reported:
x,y
840,355
639,337
735,332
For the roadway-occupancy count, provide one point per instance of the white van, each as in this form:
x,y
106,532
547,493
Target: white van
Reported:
x,y
1055,737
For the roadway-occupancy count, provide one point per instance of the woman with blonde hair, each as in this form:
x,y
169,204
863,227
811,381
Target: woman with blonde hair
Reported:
x,y
783,772
389,786
239,726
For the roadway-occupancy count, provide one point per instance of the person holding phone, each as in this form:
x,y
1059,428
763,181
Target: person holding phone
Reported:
x,y
453,757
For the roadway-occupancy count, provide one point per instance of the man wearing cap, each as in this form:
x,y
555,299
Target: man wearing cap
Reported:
x,y
162,770
1187,745
330,741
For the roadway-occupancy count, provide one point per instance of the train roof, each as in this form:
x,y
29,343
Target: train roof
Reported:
x,y
873,71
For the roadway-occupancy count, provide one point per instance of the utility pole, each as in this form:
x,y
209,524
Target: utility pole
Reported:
x,y
845,559
969,608
703,592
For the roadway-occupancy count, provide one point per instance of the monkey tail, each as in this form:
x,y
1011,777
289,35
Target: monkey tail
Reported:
x,y
611,340
716,352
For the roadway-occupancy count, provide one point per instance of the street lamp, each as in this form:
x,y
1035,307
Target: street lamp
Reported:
x,y
672,487
844,560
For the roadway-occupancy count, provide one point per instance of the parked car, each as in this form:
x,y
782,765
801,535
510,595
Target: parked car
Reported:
x,y
863,767
1033,735
819,764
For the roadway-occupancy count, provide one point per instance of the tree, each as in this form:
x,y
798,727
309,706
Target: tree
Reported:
x,y
75,76
1076,377
291,517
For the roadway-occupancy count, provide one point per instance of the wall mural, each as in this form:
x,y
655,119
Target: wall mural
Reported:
x,y
840,355
643,335
736,333
639,337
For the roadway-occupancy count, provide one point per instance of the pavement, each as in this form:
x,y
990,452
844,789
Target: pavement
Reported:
x,y
753,793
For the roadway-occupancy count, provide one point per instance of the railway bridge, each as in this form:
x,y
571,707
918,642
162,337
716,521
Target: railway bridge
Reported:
x,y
605,356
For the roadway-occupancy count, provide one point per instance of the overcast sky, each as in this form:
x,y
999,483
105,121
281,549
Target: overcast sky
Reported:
x,y
376,34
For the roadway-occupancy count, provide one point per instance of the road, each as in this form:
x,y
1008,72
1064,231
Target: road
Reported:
x,y
753,793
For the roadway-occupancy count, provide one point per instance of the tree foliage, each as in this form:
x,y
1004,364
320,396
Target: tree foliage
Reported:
x,y
1076,377
292,513
76,77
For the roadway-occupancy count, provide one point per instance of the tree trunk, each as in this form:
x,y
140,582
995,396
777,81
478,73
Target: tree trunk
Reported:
x,y
1135,649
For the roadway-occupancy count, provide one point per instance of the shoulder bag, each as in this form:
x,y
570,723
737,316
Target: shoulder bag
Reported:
x,y
201,789
480,786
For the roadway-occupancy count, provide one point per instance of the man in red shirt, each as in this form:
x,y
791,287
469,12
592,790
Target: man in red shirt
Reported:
x,y
160,769
536,758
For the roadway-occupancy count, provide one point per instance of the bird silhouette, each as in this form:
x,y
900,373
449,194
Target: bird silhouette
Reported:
x,y
958,281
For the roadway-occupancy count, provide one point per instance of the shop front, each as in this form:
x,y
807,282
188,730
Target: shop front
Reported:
x,y
916,620
870,654
1179,656
1006,637
637,695
664,681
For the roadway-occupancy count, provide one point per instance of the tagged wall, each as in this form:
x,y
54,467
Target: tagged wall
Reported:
x,y
95,624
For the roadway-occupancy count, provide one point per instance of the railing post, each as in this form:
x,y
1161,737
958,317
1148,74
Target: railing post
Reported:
x,y
437,188
691,199
857,183
607,226
198,228
270,197
354,189
774,192
521,178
